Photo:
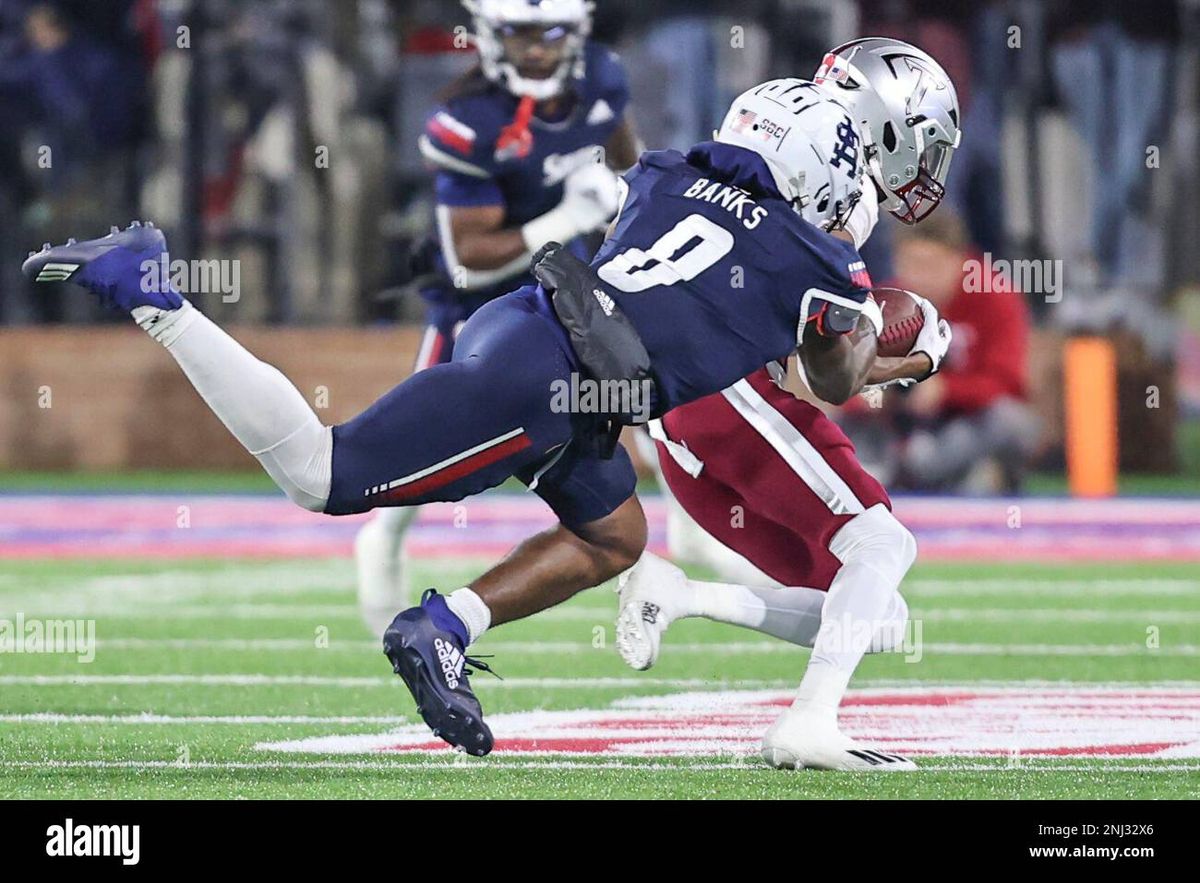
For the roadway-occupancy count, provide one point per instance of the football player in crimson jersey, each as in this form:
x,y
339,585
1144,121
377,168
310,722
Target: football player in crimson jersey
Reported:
x,y
513,147
805,535
719,259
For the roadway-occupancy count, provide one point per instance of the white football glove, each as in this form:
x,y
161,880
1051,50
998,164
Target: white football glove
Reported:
x,y
593,194
864,215
934,338
590,200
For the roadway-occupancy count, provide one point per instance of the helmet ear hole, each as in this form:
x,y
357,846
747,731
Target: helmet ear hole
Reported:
x,y
889,137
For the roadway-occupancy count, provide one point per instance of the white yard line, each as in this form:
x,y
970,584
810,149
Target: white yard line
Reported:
x,y
222,611
542,648
604,615
166,587
47,717
459,763
1053,614
265,680
295,579
548,683
970,587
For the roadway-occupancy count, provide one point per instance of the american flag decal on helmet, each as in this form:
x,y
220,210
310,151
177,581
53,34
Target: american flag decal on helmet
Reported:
x,y
832,68
745,120
859,275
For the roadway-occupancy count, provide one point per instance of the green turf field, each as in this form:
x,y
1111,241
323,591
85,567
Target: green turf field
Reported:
x,y
197,663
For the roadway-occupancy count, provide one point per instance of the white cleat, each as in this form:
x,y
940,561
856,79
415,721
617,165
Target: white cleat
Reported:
x,y
382,565
802,738
652,594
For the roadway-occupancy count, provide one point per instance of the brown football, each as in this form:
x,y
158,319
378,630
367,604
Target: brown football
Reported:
x,y
902,321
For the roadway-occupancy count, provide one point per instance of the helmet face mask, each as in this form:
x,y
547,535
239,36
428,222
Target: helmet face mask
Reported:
x,y
908,111
920,196
531,49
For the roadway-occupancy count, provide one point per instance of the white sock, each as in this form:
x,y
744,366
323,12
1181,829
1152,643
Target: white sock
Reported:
x,y
473,612
260,406
822,689
862,608
792,614
858,602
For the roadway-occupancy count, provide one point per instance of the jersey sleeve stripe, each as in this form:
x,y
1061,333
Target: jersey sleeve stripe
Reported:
x,y
451,132
446,161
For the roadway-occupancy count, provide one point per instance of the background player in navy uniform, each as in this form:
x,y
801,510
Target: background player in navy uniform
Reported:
x,y
514,146
719,259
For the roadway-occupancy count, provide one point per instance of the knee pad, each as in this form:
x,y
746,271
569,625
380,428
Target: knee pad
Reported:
x,y
302,465
876,538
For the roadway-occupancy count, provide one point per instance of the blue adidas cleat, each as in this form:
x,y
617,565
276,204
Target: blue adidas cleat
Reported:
x,y
113,267
434,666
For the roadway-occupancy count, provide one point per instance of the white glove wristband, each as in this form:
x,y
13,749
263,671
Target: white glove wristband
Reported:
x,y
864,216
557,225
871,310
935,335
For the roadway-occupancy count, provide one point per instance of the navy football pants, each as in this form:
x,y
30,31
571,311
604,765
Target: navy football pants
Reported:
x,y
458,428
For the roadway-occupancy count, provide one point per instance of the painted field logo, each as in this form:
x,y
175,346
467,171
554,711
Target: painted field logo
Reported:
x,y
1094,721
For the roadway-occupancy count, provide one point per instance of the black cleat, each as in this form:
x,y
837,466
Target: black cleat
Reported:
x,y
435,668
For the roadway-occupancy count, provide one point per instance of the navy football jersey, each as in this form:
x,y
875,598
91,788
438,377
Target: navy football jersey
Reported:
x,y
717,272
463,140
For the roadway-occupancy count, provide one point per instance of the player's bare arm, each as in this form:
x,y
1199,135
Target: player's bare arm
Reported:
x,y
481,241
624,146
838,367
914,366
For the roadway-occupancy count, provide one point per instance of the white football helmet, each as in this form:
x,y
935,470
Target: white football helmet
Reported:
x,y
496,20
907,111
809,142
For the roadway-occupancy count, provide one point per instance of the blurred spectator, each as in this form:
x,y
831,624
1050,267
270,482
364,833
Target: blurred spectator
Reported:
x,y
972,429
968,428
74,114
85,96
1112,64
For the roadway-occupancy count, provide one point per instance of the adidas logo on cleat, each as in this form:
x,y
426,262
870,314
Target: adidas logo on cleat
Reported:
x,y
876,758
55,272
451,660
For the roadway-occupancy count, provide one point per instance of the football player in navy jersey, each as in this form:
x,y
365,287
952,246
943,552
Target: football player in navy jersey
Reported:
x,y
776,502
718,263
513,145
